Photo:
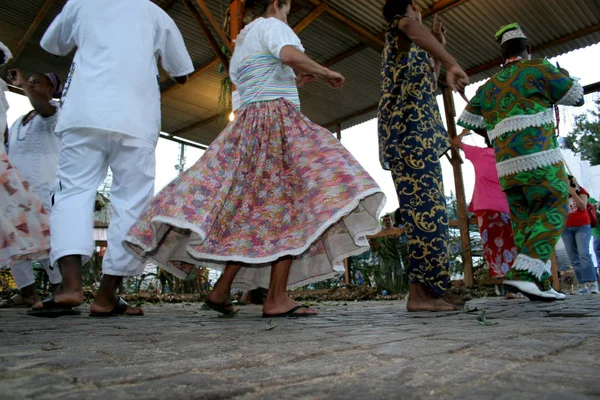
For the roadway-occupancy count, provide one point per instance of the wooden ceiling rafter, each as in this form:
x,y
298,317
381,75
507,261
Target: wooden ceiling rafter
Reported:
x,y
41,15
213,22
208,34
195,125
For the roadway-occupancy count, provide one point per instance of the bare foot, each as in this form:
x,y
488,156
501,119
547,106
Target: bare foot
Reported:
x,y
63,297
421,298
101,308
221,298
283,304
456,300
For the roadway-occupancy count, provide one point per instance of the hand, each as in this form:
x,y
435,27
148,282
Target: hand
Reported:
x,y
465,132
334,79
438,29
456,78
303,78
16,78
572,190
564,72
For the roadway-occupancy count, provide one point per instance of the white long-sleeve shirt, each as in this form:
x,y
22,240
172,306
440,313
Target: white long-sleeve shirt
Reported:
x,y
113,82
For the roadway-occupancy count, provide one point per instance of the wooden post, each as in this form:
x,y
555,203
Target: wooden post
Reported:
x,y
461,200
236,15
338,131
555,279
347,269
208,34
39,18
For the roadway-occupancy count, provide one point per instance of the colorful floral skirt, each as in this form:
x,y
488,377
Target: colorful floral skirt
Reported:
x,y
273,184
498,241
24,227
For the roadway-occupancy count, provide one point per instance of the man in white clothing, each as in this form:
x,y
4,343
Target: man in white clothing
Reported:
x,y
110,117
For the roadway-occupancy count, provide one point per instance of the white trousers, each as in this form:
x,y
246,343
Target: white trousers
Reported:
x,y
23,273
85,156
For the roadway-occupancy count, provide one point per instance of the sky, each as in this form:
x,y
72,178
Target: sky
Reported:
x,y
361,140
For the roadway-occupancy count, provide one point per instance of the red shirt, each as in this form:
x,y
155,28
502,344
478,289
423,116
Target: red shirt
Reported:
x,y
578,217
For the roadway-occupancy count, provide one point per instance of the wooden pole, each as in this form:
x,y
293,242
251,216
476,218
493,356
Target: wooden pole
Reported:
x,y
215,24
461,199
236,15
209,36
338,132
347,271
39,18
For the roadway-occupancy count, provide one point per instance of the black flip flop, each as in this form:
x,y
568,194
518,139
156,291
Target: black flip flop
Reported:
x,y
290,313
220,308
52,309
120,309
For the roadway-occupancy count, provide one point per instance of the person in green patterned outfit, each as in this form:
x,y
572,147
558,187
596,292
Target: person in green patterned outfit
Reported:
x,y
516,108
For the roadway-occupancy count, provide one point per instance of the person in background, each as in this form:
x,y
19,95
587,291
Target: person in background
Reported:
x,y
516,108
33,149
24,228
490,206
110,117
596,237
577,237
412,138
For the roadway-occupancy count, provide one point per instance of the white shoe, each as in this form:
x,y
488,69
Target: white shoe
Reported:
x,y
558,295
530,290
593,288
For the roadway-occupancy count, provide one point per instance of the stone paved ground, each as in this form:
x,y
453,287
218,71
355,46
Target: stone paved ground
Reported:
x,y
370,350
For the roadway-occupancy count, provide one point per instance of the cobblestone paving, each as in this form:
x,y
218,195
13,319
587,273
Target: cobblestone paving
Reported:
x,y
362,350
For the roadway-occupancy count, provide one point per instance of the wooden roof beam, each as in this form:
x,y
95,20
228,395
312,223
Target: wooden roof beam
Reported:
x,y
441,6
215,25
352,27
199,71
209,36
41,15
195,125
310,18
556,42
346,54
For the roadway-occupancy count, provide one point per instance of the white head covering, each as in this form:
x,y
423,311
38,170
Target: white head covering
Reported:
x,y
6,51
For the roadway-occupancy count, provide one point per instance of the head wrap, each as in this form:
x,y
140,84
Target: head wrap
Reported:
x,y
509,32
57,92
7,54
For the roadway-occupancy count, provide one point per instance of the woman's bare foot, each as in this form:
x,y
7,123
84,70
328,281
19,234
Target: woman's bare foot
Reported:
x,y
282,304
420,298
221,297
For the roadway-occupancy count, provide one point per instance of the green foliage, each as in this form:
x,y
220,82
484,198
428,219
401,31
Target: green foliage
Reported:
x,y
585,137
388,267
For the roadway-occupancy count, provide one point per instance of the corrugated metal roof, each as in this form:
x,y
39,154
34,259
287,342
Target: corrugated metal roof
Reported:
x,y
471,25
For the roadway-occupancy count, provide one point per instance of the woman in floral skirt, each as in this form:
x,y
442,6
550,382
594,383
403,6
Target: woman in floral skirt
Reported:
x,y
276,201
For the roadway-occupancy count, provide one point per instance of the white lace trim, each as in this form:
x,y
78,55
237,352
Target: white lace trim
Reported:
x,y
532,265
471,120
549,267
520,122
529,162
573,96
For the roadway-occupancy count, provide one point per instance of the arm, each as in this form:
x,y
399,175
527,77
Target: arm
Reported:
x,y
39,103
580,199
171,48
438,29
302,63
457,140
456,78
58,39
562,89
